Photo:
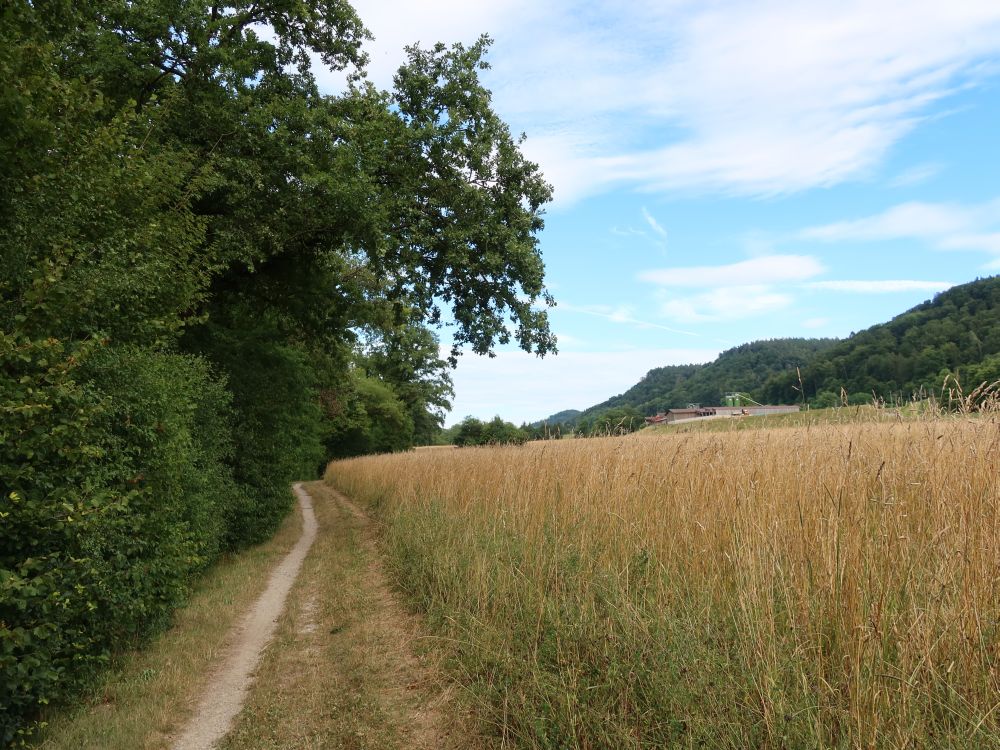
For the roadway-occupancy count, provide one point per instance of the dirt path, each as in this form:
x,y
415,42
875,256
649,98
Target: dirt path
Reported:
x,y
226,691
349,667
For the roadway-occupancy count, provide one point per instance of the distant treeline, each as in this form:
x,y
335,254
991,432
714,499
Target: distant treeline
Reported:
x,y
472,431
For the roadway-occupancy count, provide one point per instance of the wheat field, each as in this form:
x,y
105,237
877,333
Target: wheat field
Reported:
x,y
822,586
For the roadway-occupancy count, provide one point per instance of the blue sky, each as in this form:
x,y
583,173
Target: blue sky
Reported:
x,y
727,170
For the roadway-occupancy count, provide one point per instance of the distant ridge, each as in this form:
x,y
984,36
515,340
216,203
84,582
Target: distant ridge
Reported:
x,y
566,416
957,332
743,368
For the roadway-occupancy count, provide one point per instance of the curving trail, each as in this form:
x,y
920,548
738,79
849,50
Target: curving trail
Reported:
x,y
226,691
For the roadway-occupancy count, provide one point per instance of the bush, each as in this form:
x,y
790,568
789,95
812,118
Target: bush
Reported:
x,y
115,492
824,400
618,421
367,417
472,431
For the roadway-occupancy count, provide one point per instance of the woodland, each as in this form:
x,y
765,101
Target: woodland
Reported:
x,y
214,279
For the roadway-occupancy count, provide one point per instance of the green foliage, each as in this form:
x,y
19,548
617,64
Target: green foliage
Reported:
x,y
406,359
987,371
277,420
114,493
193,242
52,493
548,430
391,426
956,333
567,416
371,419
620,420
476,186
824,400
472,431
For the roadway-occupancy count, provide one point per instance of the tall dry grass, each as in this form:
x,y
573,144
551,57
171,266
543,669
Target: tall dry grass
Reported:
x,y
824,586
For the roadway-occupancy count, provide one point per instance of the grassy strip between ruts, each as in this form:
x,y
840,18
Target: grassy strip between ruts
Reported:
x,y
150,693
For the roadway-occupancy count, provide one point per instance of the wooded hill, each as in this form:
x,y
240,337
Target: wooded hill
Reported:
x,y
956,333
744,368
563,417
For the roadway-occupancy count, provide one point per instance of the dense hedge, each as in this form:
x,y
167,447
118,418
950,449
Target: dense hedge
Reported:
x,y
115,492
121,479
277,422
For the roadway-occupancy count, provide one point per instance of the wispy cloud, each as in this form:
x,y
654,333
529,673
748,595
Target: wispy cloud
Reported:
x,y
813,323
915,175
620,314
768,269
743,301
733,291
749,288
627,232
913,220
944,226
752,98
654,224
726,304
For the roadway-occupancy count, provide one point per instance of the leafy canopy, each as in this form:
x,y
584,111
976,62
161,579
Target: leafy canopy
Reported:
x,y
214,278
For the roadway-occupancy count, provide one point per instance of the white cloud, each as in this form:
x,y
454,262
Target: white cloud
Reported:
x,y
914,220
654,223
812,323
566,340
628,232
945,226
520,387
754,272
882,286
621,314
915,175
726,303
734,291
987,242
756,98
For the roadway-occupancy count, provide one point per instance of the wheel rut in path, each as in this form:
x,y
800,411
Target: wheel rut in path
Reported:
x,y
412,691
224,694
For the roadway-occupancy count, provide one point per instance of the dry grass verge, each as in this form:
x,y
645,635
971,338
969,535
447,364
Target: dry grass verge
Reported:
x,y
823,586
